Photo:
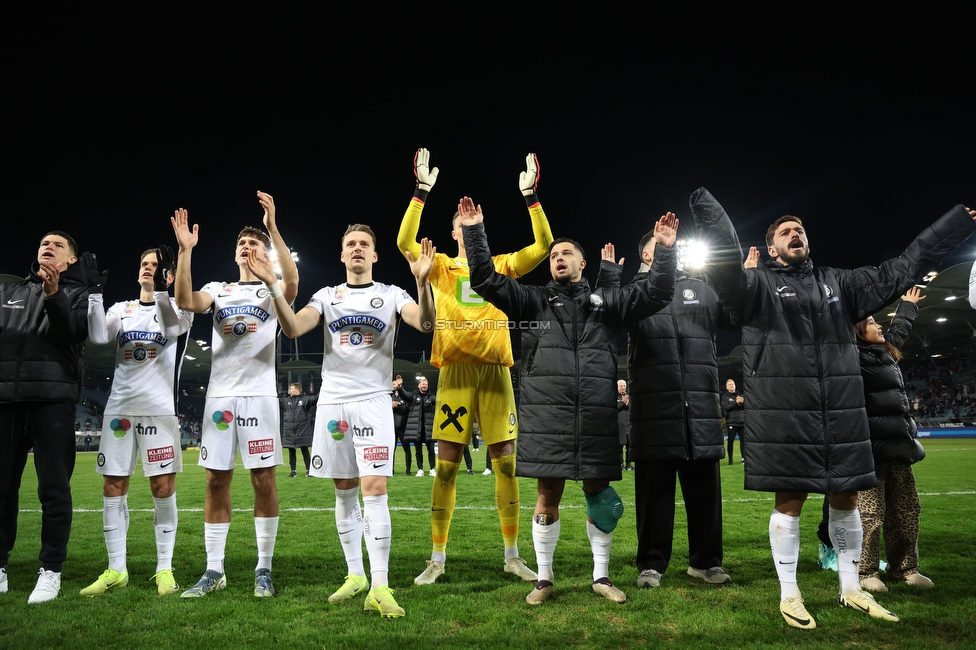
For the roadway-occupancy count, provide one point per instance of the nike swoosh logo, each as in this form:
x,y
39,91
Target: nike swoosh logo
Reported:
x,y
166,464
551,298
343,532
513,431
375,466
15,302
782,562
266,457
863,609
801,621
167,532
379,538
512,503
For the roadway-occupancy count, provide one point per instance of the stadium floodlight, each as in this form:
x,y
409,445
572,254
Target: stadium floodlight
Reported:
x,y
692,254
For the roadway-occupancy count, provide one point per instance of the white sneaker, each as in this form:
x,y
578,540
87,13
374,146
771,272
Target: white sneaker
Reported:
x,y
517,566
3,580
433,571
47,588
420,472
432,472
486,472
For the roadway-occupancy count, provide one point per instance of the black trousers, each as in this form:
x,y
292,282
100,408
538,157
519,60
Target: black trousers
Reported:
x,y
293,458
48,427
733,430
701,488
399,431
431,456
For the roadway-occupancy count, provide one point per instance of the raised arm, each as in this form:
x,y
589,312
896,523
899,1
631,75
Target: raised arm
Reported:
x,y
420,315
172,320
715,230
292,325
870,288
904,318
608,276
186,298
651,293
102,328
289,272
500,290
410,226
531,256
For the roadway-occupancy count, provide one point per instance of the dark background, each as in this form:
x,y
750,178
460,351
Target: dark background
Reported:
x,y
115,118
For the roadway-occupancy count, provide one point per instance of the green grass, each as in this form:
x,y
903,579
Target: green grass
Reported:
x,y
475,603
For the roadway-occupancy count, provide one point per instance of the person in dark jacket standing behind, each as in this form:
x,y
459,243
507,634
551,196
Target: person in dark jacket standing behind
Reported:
x,y
676,423
893,504
805,419
733,404
419,424
297,421
401,410
623,422
567,411
43,327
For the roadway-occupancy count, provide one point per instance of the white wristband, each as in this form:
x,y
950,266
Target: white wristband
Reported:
x,y
274,290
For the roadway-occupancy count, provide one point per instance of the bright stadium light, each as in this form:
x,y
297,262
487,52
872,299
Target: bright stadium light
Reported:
x,y
692,254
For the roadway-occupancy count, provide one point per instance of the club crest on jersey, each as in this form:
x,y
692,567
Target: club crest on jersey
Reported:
x,y
376,303
240,328
690,297
317,462
356,337
140,353
262,293
829,292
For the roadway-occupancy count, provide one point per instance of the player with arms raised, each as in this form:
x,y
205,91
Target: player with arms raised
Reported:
x,y
242,398
474,363
140,416
354,439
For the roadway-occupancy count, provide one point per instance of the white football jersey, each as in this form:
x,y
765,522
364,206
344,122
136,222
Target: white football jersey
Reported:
x,y
147,363
360,331
244,330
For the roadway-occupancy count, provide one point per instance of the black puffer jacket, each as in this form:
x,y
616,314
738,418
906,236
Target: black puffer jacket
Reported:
x,y
806,427
42,339
297,420
735,415
893,430
674,409
567,406
420,418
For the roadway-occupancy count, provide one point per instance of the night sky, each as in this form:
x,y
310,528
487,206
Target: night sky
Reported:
x,y
112,129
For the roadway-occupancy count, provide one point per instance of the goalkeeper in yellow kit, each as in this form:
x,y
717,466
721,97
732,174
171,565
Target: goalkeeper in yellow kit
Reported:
x,y
473,350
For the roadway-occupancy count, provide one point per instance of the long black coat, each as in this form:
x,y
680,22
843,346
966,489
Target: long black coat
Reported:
x,y
893,430
420,419
806,427
674,409
567,406
297,420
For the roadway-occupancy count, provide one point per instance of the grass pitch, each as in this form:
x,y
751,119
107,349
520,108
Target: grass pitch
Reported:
x,y
475,604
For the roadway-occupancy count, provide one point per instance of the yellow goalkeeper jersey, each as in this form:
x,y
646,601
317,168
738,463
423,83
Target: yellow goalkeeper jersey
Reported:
x,y
469,329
